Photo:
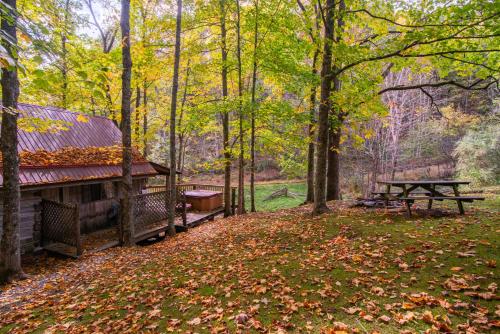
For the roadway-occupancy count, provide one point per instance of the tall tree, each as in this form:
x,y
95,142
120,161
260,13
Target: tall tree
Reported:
x,y
310,131
127,217
10,249
137,121
225,112
335,129
145,119
181,133
241,158
173,111
64,54
324,110
314,30
254,107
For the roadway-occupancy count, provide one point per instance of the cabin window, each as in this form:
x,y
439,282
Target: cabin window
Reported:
x,y
92,193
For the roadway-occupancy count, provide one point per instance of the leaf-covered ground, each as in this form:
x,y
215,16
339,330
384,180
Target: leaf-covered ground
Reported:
x,y
349,271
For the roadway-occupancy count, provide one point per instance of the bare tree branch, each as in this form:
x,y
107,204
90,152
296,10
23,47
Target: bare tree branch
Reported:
x,y
471,63
473,86
417,25
433,103
415,43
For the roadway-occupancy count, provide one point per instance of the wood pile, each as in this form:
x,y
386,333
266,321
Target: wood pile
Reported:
x,y
376,202
281,193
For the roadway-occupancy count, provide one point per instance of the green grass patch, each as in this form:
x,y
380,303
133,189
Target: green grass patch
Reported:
x,y
262,191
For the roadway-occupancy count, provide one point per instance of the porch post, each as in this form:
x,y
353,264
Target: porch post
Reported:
x,y
77,230
120,225
233,201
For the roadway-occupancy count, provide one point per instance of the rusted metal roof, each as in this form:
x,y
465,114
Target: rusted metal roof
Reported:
x,y
95,131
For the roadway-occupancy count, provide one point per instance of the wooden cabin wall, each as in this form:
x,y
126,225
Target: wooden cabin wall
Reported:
x,y
94,215
138,185
50,194
73,194
30,222
98,215
110,190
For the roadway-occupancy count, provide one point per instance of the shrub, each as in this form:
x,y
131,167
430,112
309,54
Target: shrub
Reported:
x,y
478,154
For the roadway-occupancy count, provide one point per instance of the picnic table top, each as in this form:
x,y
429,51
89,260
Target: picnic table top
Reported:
x,y
424,182
201,193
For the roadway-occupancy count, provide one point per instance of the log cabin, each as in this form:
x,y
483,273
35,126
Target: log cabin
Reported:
x,y
69,159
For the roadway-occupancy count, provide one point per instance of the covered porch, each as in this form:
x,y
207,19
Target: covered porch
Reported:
x,y
65,229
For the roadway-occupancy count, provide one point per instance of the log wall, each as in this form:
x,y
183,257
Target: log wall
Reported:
x,y
29,222
93,215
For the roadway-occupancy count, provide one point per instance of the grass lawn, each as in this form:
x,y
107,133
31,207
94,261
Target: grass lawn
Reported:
x,y
350,271
263,190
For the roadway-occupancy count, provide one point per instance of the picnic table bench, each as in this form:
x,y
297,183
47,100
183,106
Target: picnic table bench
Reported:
x,y
427,189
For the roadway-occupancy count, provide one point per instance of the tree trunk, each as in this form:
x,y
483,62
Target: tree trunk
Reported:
x,y
64,73
374,175
111,109
181,117
173,111
225,113
241,158
10,248
64,56
334,133
127,217
310,131
394,164
333,174
183,154
324,109
145,119
137,124
254,107
180,153
314,35
335,130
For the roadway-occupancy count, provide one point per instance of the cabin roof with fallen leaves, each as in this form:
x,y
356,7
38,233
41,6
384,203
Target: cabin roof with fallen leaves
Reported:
x,y
51,129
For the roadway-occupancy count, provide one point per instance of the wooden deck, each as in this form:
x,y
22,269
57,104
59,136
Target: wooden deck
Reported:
x,y
193,219
107,238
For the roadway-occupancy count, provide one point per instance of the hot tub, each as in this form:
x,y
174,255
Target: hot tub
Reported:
x,y
204,200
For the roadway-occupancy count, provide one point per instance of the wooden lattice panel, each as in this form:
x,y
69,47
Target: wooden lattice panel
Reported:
x,y
149,209
60,223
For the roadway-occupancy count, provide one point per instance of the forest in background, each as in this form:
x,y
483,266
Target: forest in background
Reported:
x,y
72,60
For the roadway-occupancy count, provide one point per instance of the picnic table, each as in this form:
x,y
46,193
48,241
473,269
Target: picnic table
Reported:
x,y
414,190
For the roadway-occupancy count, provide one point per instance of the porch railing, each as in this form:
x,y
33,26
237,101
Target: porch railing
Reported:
x,y
61,224
196,186
149,210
